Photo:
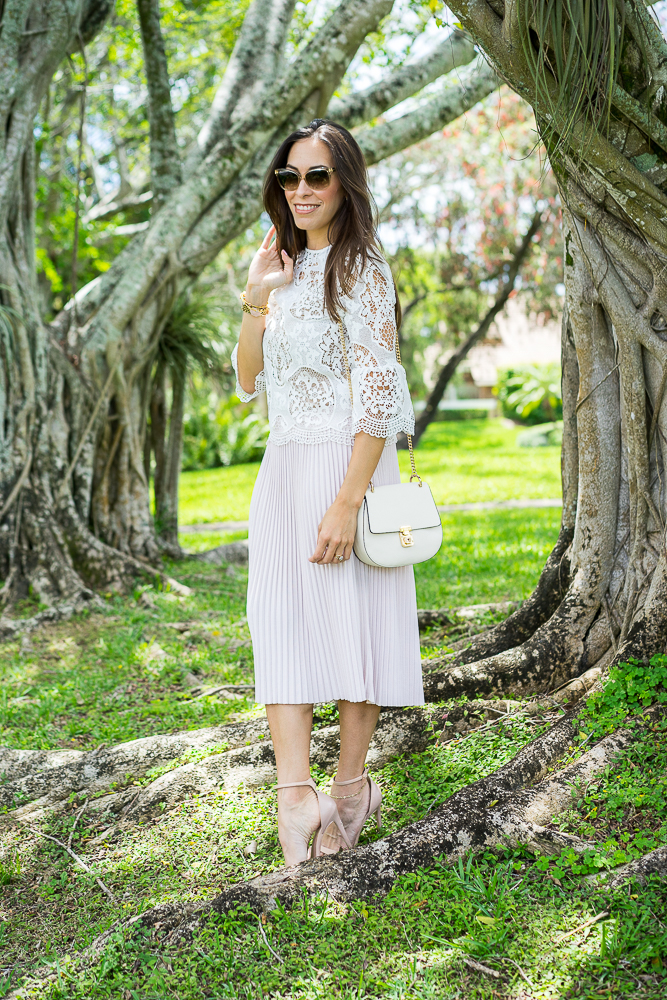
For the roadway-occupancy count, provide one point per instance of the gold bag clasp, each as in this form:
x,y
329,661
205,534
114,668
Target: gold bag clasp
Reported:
x,y
405,534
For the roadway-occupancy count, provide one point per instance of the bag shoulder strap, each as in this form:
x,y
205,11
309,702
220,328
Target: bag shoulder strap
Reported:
x,y
346,362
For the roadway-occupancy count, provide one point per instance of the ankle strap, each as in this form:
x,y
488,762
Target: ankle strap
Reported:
x,y
295,784
351,781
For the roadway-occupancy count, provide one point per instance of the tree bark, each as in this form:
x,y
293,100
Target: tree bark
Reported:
x,y
164,155
167,510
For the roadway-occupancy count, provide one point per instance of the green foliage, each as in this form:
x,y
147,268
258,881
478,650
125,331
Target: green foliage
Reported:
x,y
192,336
542,436
411,945
630,687
532,394
454,207
624,810
222,433
10,868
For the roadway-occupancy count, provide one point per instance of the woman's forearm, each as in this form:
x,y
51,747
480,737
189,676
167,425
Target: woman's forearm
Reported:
x,y
250,356
363,462
337,528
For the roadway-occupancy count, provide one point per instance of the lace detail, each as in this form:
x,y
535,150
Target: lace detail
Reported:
x,y
260,381
381,394
276,345
304,374
310,302
332,355
378,308
311,398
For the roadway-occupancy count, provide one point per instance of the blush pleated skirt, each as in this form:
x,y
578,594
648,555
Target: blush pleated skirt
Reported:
x,y
322,633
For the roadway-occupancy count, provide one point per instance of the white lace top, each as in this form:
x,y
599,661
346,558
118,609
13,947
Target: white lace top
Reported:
x,y
304,373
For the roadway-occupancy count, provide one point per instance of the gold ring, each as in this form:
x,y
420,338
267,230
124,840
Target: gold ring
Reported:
x,y
340,558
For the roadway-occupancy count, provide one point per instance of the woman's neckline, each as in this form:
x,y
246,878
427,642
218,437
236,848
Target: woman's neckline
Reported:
x,y
321,250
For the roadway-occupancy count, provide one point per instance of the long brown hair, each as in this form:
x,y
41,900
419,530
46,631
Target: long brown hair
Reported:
x,y
353,230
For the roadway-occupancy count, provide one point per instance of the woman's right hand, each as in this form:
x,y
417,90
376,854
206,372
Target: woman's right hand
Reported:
x,y
267,270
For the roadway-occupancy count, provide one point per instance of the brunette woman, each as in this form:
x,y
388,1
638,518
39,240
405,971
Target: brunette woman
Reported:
x,y
318,334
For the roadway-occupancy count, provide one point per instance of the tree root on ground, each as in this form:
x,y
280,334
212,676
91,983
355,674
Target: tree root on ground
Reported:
x,y
44,781
241,753
547,660
45,778
532,613
11,628
654,863
232,552
497,811
510,807
458,617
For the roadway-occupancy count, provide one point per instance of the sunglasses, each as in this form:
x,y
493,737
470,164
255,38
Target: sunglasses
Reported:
x,y
316,178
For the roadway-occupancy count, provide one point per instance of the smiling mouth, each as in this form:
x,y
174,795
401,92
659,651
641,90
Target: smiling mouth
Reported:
x,y
305,209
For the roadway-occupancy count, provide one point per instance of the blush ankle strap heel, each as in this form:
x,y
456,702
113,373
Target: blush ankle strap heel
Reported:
x,y
328,815
374,802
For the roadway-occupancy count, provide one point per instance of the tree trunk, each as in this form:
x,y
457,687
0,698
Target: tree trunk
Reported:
x,y
448,369
74,398
167,509
610,561
158,435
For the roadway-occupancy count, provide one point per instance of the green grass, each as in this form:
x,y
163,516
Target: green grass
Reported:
x,y
500,909
119,675
523,918
487,556
497,912
491,555
463,462
99,679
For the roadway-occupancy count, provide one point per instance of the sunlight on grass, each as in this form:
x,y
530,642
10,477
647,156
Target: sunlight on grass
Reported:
x,y
493,555
463,462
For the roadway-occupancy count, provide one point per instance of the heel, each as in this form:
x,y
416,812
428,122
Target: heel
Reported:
x,y
374,803
328,815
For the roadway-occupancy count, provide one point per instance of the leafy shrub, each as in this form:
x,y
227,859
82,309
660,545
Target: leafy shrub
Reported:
x,y
631,687
541,435
531,395
223,432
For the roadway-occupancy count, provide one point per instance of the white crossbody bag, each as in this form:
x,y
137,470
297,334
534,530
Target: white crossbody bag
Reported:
x,y
396,525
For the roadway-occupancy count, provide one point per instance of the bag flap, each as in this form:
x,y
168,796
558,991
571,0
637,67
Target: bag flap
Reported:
x,y
390,508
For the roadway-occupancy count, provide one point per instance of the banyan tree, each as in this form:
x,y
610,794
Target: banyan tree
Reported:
x,y
75,503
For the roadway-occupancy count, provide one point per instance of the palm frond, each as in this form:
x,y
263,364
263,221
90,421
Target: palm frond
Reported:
x,y
191,335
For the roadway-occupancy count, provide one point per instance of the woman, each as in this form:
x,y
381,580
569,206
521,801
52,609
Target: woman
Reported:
x,y
324,626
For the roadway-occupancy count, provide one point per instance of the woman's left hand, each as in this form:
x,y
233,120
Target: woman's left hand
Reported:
x,y
336,533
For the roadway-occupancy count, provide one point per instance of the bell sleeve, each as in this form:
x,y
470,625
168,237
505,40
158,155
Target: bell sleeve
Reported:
x,y
260,380
381,404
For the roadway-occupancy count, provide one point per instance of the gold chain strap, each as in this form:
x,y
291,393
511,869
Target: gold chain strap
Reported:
x,y
346,362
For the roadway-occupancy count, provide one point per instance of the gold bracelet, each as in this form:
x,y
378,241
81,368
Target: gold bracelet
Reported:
x,y
248,307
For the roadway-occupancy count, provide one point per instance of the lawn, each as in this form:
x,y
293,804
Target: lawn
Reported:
x,y
462,461
486,556
126,672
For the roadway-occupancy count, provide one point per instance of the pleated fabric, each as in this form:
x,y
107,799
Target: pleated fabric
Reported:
x,y
322,633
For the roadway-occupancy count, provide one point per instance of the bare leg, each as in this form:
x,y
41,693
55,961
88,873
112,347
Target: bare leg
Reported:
x,y
298,811
357,724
